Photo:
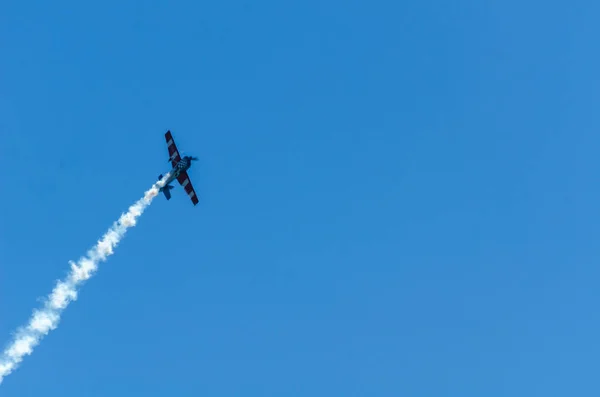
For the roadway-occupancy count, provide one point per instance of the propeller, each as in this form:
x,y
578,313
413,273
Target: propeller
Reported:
x,y
194,158
184,154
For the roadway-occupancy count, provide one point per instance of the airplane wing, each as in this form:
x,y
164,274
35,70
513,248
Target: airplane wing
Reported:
x,y
184,180
173,152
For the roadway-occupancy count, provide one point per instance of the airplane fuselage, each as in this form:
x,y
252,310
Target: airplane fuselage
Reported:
x,y
183,165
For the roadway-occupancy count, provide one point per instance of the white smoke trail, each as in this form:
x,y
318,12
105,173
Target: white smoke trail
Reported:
x,y
46,319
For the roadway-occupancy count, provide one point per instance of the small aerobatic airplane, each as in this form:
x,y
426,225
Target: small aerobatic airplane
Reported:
x,y
179,171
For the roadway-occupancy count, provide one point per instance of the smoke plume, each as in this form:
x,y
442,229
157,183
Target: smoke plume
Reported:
x,y
46,318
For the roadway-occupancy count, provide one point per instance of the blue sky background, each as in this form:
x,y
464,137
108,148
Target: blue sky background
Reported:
x,y
397,198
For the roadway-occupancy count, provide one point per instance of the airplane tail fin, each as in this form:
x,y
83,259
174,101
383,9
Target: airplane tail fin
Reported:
x,y
165,189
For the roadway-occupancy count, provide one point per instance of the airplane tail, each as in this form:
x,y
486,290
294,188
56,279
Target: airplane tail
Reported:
x,y
165,189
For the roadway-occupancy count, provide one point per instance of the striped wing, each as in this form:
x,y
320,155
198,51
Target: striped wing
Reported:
x,y
184,180
173,152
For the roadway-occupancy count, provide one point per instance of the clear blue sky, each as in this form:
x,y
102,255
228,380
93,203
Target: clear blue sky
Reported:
x,y
397,198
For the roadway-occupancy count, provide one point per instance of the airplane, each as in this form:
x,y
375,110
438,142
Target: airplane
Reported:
x,y
179,171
